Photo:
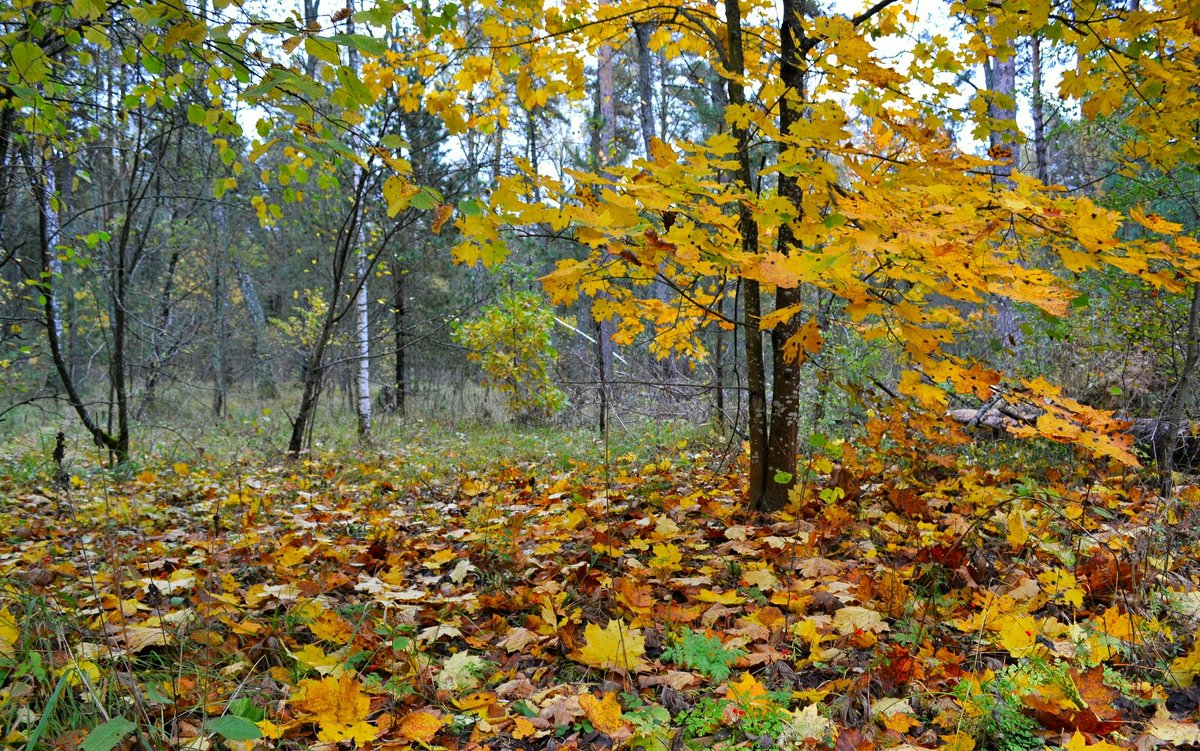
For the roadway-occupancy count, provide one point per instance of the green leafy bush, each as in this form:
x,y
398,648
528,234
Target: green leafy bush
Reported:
x,y
511,343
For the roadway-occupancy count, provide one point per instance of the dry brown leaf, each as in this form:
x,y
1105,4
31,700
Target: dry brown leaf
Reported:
x,y
676,679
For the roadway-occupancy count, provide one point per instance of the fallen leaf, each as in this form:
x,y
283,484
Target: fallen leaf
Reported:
x,y
463,671
615,647
421,727
561,712
8,632
808,724
338,706
852,618
676,679
1166,729
604,713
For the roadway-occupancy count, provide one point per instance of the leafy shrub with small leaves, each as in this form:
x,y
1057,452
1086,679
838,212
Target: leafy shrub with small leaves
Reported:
x,y
992,711
511,343
707,654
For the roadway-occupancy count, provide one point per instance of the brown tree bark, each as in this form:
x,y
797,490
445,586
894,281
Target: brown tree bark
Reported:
x,y
783,446
1177,402
43,185
751,295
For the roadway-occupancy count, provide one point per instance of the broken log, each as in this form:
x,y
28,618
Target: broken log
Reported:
x,y
1149,433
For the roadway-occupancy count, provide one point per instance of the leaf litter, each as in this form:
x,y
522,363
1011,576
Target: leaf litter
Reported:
x,y
329,603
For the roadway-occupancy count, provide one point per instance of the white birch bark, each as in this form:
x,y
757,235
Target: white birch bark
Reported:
x,y
362,330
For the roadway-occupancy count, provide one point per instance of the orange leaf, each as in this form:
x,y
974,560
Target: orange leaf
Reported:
x,y
332,627
421,727
807,341
747,692
604,714
441,215
522,728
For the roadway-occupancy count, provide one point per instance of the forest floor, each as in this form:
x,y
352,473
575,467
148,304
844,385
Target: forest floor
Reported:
x,y
389,602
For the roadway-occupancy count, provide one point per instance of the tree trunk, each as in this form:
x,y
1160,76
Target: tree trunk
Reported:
x,y
43,184
310,8
263,375
314,372
1177,402
1042,167
362,381
314,367
756,380
719,370
1001,79
362,326
220,317
605,146
645,71
161,349
783,433
399,387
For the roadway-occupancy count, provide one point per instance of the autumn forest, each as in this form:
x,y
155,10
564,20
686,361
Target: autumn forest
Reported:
x,y
598,374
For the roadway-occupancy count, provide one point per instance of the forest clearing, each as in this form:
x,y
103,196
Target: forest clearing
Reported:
x,y
446,596
573,374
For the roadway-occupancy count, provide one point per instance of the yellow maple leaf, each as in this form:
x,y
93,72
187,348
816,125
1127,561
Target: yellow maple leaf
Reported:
x,y
1018,634
747,692
332,627
421,727
721,598
1183,669
443,556
957,742
615,647
338,706
666,555
269,729
1079,743
8,632
1018,533
604,714
899,722
806,341
853,619
523,728
1063,586
761,578
312,656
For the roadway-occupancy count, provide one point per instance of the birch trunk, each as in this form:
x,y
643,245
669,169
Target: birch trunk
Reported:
x,y
362,322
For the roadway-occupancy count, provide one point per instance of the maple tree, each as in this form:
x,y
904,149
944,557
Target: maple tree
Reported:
x,y
861,214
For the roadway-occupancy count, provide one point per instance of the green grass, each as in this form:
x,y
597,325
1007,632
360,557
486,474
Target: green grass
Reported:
x,y
445,432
